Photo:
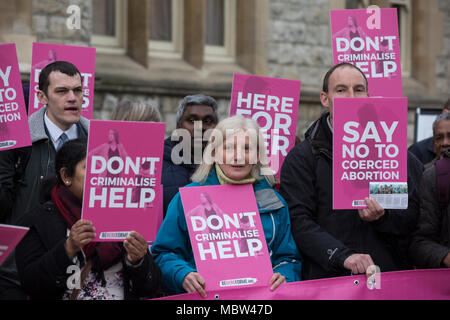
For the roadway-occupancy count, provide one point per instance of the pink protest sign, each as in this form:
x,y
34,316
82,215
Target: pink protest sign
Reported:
x,y
369,39
399,285
369,152
14,130
82,57
10,236
227,237
123,178
273,103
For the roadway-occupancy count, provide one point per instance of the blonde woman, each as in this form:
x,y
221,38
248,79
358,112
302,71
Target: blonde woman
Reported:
x,y
235,154
128,110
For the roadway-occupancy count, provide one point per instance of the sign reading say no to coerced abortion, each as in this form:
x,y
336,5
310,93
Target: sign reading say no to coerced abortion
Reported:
x,y
369,146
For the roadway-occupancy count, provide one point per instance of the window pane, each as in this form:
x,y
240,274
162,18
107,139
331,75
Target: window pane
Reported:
x,y
104,13
215,22
161,20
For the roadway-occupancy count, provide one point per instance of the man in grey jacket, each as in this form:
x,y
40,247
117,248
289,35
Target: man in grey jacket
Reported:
x,y
21,170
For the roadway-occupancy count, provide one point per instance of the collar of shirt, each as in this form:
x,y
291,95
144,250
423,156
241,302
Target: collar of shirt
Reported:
x,y
329,124
55,132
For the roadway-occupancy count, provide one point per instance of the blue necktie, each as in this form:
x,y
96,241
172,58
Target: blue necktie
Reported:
x,y
62,139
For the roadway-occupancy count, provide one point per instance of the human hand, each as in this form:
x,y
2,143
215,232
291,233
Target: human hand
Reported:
x,y
135,246
446,260
194,282
81,234
358,263
373,211
276,280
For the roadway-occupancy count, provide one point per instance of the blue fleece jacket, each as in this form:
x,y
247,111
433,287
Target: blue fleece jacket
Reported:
x,y
173,252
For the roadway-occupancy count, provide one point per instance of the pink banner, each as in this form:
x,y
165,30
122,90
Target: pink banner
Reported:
x,y
10,236
82,57
227,237
400,285
14,130
123,178
273,103
369,152
368,38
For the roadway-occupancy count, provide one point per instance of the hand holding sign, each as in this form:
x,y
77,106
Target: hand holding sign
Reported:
x,y
136,247
194,282
373,212
81,234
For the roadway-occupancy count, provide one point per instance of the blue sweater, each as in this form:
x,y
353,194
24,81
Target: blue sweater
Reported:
x,y
173,252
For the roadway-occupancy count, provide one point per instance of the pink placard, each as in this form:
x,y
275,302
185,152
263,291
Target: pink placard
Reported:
x,y
10,236
14,129
368,38
82,57
399,285
123,178
273,103
369,146
227,236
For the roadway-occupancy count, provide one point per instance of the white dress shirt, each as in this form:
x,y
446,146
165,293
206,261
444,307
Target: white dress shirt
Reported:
x,y
55,132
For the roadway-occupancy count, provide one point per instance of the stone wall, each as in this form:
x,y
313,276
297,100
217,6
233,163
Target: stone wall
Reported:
x,y
443,60
49,22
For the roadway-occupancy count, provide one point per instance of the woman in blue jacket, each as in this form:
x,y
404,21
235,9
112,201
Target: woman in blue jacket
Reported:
x,y
235,155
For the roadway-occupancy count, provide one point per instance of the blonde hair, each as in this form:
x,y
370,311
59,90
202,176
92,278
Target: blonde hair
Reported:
x,y
235,123
128,110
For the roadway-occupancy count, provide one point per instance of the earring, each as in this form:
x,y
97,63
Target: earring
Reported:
x,y
67,181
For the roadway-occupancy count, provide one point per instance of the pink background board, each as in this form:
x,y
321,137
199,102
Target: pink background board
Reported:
x,y
213,271
16,133
363,110
138,139
389,86
10,236
400,285
269,87
82,57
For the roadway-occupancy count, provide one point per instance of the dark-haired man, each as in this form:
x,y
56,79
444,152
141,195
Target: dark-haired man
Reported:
x,y
341,242
177,167
21,170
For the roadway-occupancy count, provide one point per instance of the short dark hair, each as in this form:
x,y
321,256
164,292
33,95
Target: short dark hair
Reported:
x,y
197,99
61,66
70,154
342,64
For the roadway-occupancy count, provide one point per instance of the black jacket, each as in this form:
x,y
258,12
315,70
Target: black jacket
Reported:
x,y
43,264
326,237
423,150
431,241
21,172
174,175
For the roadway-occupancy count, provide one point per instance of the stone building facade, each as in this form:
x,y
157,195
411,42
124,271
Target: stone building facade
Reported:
x,y
276,38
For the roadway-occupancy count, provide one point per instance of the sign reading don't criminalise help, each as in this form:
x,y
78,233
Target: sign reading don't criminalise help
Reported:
x,y
369,39
227,237
123,178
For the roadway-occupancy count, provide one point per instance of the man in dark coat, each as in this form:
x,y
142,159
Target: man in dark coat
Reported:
x,y
183,151
341,242
22,169
424,149
430,247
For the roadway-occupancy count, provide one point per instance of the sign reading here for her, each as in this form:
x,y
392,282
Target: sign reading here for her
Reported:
x,y
273,104
123,178
227,237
